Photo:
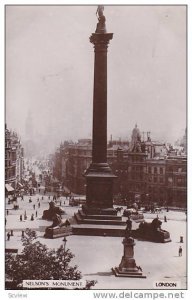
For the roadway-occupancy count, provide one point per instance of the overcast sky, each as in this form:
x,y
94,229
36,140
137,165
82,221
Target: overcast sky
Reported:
x,y
49,70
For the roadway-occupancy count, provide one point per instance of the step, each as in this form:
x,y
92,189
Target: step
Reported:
x,y
102,222
103,217
119,273
80,219
98,230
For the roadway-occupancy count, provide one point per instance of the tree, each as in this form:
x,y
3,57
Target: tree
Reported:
x,y
37,262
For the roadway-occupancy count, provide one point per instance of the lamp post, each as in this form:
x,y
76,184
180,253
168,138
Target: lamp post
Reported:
x,y
64,242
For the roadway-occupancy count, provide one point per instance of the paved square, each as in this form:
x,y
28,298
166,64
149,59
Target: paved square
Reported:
x,y
95,256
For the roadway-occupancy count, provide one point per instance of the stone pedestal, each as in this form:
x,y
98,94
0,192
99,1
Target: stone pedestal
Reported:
x,y
52,233
128,267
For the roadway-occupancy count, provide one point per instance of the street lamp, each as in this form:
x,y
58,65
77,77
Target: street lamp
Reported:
x,y
64,242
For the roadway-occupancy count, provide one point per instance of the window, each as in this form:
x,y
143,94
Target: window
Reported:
x,y
180,182
161,180
155,170
161,170
155,179
170,180
149,170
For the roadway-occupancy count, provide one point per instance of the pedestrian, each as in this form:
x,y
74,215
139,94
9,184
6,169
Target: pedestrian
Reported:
x,y
181,239
33,206
64,202
36,213
21,218
7,212
32,217
60,203
39,205
30,200
42,198
5,221
49,197
180,251
165,219
22,198
23,233
11,232
39,191
8,236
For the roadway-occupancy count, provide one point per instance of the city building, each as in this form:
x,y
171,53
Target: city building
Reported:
x,y
176,180
143,169
14,161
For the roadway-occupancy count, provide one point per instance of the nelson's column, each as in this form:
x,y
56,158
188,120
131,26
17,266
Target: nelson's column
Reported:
x,y
99,209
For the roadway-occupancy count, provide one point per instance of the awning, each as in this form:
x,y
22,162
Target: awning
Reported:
x,y
9,188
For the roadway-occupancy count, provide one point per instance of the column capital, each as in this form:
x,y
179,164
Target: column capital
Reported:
x,y
101,38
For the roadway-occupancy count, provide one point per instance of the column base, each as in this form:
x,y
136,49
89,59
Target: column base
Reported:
x,y
99,192
127,273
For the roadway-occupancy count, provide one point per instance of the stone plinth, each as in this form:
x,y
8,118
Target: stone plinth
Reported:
x,y
128,267
52,233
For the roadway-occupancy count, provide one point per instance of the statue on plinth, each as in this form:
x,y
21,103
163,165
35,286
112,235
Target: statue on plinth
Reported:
x,y
101,27
58,228
127,266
